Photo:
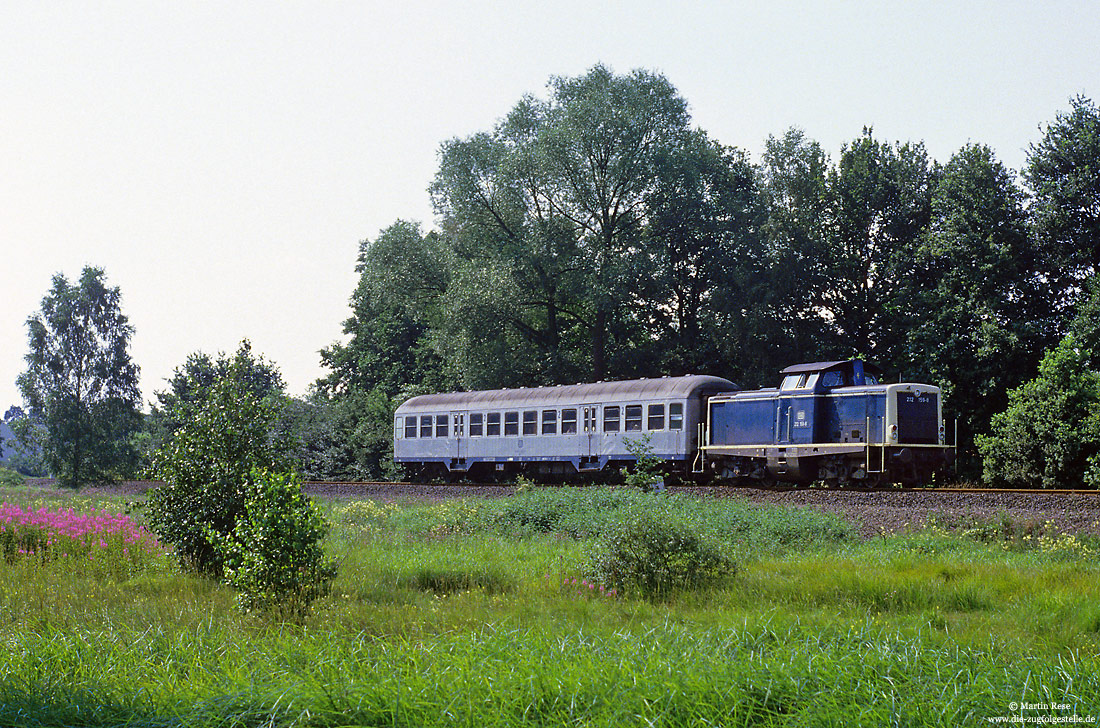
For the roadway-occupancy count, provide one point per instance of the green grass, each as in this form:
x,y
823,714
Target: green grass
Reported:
x,y
460,614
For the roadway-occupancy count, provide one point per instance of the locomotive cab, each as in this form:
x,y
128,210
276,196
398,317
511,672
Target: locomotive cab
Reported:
x,y
829,421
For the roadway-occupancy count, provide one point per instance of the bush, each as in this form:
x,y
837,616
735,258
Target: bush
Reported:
x,y
207,464
274,556
654,553
647,470
1050,434
9,478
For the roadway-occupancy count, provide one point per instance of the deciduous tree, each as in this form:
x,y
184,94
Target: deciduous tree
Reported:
x,y
80,383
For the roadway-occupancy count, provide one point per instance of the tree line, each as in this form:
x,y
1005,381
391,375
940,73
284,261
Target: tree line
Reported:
x,y
597,234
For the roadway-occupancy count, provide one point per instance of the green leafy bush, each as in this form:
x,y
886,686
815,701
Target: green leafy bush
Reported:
x,y
10,478
653,553
207,464
647,469
274,555
1050,434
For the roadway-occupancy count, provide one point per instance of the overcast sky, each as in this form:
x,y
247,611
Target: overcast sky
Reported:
x,y
222,161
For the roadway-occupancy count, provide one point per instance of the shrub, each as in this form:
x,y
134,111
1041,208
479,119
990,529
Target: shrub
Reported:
x,y
207,464
653,553
9,478
273,556
647,469
1050,434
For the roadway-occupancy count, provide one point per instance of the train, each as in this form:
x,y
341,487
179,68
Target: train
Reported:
x,y
833,422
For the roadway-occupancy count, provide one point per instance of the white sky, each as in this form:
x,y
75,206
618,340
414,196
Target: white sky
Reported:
x,y
222,160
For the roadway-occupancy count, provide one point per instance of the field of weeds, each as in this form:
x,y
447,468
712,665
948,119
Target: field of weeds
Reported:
x,y
517,611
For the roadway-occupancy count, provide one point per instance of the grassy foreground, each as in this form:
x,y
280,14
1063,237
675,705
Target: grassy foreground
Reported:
x,y
485,614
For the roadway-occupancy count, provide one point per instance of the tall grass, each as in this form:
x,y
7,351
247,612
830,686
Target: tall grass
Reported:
x,y
465,613
765,672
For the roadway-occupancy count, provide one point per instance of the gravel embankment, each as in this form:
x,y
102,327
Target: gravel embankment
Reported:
x,y
875,511
892,511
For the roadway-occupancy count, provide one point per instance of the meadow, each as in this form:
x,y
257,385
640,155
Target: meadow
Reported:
x,y
490,613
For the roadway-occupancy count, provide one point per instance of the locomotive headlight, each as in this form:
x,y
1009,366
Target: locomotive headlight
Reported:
x,y
893,432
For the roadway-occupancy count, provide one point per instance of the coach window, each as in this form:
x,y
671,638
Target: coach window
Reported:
x,y
492,424
656,419
611,419
475,424
530,422
511,423
633,418
441,425
410,427
569,422
549,422
676,416
425,425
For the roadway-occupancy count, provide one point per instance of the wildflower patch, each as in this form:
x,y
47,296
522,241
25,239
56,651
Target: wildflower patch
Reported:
x,y
47,535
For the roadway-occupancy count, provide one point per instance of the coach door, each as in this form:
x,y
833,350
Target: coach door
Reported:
x,y
458,435
591,446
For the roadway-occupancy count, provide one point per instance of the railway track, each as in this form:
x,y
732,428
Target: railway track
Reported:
x,y
777,488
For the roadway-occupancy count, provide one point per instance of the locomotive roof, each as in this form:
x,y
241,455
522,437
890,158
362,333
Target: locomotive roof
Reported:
x,y
825,365
632,390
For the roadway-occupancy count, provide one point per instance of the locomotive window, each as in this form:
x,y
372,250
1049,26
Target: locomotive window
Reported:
x,y
492,424
789,382
676,416
832,379
475,424
530,422
610,419
441,425
633,418
425,425
568,421
410,426
549,422
511,423
656,420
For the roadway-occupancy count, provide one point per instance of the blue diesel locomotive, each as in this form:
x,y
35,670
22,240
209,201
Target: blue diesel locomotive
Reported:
x,y
832,422
829,421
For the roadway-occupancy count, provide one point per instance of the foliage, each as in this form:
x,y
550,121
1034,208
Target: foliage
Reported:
x,y
402,275
345,436
9,478
25,453
190,383
654,554
1049,435
80,383
982,317
549,210
207,463
1064,176
647,468
274,555
879,202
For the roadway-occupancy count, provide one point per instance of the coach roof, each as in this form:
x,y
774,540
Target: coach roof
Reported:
x,y
633,390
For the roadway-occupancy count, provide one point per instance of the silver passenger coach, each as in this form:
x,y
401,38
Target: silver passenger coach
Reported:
x,y
561,430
